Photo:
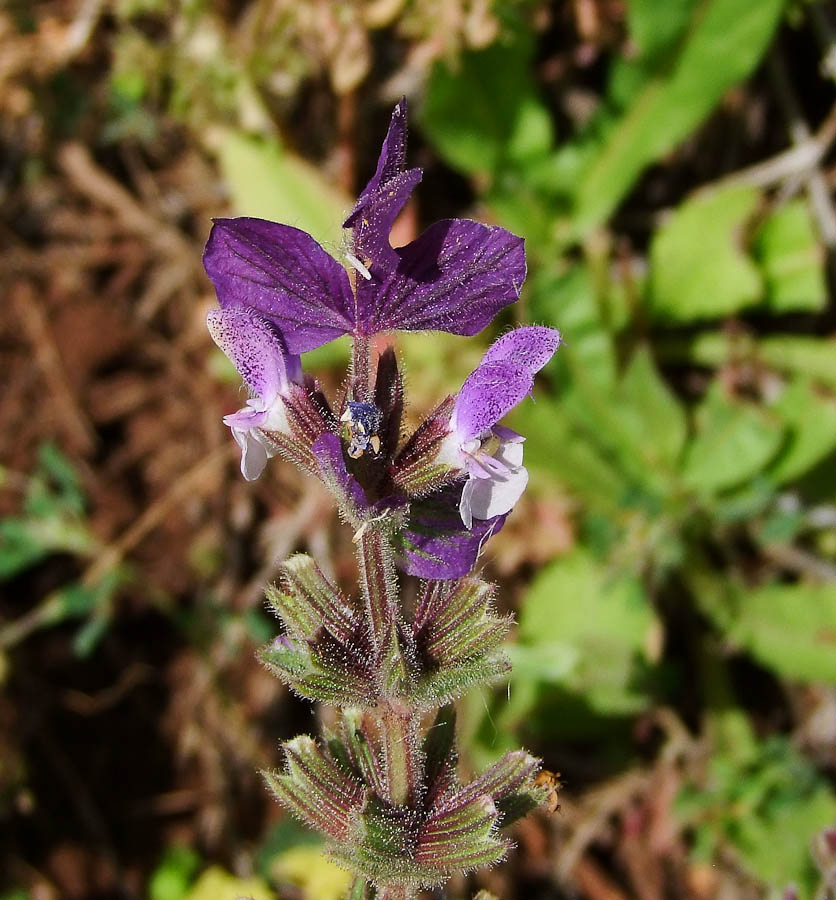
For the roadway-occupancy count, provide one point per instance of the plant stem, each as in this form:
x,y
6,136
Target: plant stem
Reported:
x,y
361,368
401,739
399,723
378,581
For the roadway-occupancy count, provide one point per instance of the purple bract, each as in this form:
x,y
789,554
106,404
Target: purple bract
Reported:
x,y
455,277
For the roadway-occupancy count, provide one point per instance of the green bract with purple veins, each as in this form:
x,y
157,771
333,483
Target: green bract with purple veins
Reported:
x,y
382,786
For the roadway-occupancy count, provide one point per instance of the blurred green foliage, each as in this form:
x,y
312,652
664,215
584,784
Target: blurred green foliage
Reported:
x,y
678,491
52,521
692,454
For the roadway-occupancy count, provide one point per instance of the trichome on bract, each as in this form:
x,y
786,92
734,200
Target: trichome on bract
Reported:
x,y
383,785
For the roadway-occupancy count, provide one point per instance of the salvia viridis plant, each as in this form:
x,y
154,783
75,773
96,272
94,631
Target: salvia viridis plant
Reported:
x,y
382,785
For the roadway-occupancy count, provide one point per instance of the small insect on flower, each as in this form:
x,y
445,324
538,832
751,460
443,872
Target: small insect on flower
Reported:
x,y
551,781
363,423
361,267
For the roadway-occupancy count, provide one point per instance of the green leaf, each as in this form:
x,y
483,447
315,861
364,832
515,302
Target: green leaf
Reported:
x,y
172,876
267,181
792,259
648,410
763,809
698,267
724,43
483,112
734,441
20,547
791,629
571,302
217,884
813,357
811,420
657,25
598,620
310,869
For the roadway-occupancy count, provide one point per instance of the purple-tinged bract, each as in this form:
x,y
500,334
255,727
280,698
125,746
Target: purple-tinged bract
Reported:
x,y
454,277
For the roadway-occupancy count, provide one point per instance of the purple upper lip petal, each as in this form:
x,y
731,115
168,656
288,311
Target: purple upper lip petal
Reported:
x,y
454,277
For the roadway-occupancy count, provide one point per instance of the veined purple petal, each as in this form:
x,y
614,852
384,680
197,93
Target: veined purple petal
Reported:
x,y
256,350
283,274
455,277
435,543
328,451
489,392
530,347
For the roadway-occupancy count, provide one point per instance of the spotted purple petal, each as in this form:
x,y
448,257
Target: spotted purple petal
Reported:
x,y
392,159
455,277
383,198
373,218
530,347
256,350
489,392
435,543
283,274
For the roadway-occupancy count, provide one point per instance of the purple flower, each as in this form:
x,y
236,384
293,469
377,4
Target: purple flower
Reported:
x,y
455,277
434,544
257,351
489,453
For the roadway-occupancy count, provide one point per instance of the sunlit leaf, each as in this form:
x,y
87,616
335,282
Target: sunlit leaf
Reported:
x,y
307,867
792,259
724,42
598,623
483,111
811,418
269,182
791,629
734,441
698,266
649,411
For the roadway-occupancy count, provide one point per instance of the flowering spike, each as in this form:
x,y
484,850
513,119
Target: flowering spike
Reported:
x,y
455,622
435,544
352,502
325,654
440,755
309,601
379,585
362,751
381,787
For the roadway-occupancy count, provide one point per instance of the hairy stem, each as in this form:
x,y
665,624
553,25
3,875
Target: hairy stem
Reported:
x,y
399,723
378,582
361,368
400,730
